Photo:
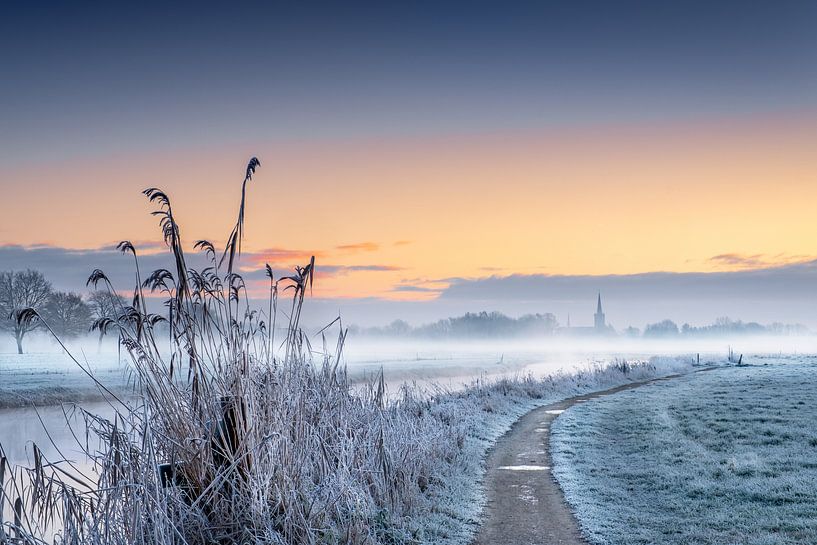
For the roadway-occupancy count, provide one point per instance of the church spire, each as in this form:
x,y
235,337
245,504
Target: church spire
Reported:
x,y
600,322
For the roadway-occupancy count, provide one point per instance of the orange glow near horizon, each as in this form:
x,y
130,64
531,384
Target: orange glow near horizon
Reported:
x,y
391,212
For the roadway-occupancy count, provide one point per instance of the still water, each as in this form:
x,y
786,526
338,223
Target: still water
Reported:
x,y
58,431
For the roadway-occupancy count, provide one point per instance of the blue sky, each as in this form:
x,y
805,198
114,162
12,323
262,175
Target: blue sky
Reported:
x,y
84,78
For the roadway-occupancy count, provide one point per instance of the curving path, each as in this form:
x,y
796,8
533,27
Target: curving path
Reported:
x,y
525,504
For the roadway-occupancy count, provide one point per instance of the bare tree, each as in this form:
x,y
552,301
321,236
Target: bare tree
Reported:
x,y
19,290
105,305
67,314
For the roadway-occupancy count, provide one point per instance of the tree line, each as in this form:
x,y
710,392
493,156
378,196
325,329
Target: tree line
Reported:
x,y
68,314
722,326
495,324
469,325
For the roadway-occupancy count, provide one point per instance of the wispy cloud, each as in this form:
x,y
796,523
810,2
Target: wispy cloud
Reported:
x,y
374,268
426,286
345,269
737,261
142,246
414,289
281,256
358,247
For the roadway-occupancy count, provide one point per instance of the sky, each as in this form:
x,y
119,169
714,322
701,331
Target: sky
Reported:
x,y
433,156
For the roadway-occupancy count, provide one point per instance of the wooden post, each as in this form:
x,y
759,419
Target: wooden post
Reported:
x,y
18,518
2,496
2,490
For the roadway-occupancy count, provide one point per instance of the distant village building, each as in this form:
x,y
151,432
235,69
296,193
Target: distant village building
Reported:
x,y
599,327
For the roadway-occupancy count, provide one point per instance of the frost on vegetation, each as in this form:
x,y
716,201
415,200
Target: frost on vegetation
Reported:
x,y
724,456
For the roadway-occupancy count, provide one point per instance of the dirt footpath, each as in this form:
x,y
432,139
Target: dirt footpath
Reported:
x,y
525,504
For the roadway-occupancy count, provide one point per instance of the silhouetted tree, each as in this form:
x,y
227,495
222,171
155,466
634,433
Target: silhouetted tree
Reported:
x,y
67,314
398,328
476,325
726,326
666,328
19,290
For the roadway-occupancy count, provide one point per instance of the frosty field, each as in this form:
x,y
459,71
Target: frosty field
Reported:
x,y
49,378
719,457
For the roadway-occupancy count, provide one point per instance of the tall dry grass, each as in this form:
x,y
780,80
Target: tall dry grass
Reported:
x,y
228,441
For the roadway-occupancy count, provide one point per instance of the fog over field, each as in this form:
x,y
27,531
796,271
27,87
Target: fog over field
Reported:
x,y
450,363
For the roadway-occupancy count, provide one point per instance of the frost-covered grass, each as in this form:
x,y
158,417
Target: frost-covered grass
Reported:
x,y
50,378
720,457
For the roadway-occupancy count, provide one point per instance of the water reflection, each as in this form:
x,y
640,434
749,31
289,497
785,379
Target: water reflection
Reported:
x,y
55,430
